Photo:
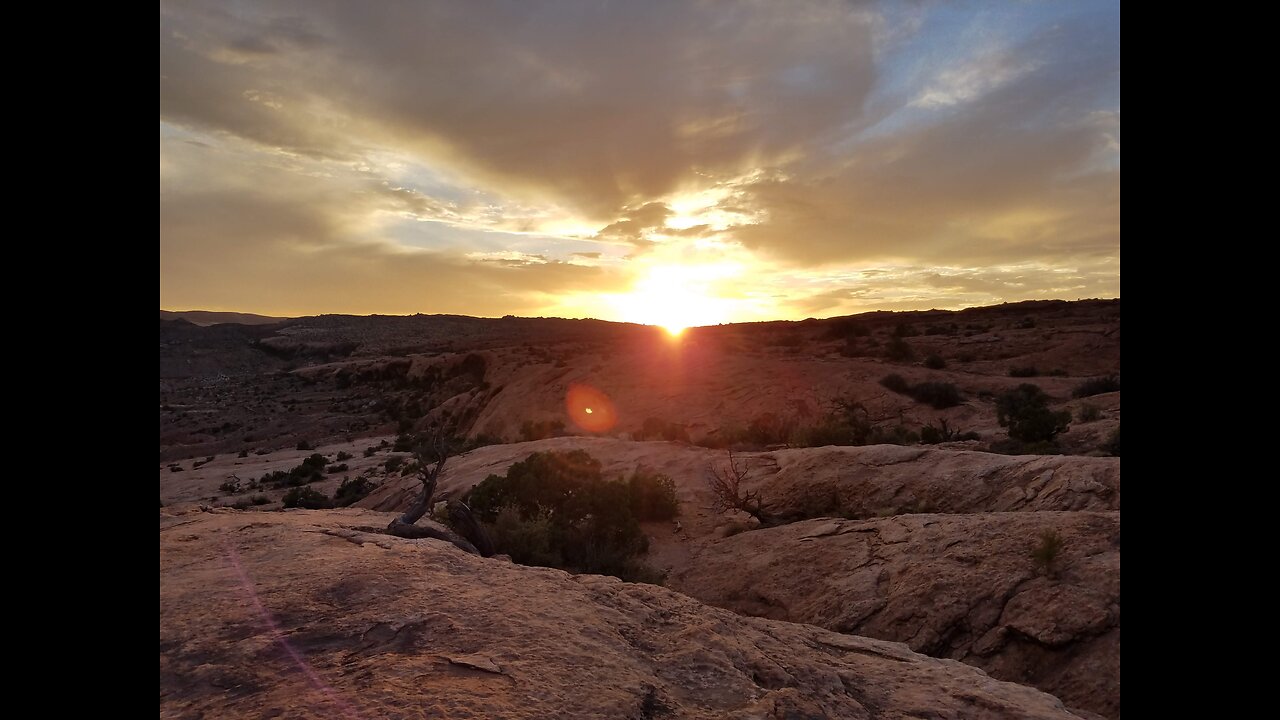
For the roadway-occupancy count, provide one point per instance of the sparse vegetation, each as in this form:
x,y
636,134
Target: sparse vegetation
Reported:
x,y
930,435
1097,386
896,383
898,349
393,463
939,395
659,429
556,509
306,497
351,491
304,445
935,362
1046,553
1088,413
1024,371
243,454
343,456
541,429
335,469
1025,411
726,486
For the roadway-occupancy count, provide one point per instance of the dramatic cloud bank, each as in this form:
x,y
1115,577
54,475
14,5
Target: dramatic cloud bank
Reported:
x,y
753,159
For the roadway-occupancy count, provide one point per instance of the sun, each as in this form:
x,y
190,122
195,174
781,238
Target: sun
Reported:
x,y
673,297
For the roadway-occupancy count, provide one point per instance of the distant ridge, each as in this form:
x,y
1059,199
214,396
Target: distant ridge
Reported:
x,y
206,317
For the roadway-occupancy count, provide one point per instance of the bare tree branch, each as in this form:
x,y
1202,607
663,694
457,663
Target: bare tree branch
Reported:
x,y
726,486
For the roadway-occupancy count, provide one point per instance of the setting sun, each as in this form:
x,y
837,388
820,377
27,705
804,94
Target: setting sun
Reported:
x,y
676,297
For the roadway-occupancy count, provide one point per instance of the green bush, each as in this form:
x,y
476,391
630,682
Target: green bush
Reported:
x,y
898,350
935,362
1024,371
589,524
659,429
393,463
1025,411
541,429
1088,412
335,469
306,497
351,491
1047,552
939,395
1097,386
896,383
652,496
344,455
230,487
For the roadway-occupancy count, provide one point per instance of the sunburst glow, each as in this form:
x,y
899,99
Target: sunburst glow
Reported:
x,y
676,297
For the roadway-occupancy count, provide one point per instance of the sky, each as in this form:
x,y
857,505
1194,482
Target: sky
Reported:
x,y
676,163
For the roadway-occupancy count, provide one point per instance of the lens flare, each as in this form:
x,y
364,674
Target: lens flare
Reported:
x,y
590,409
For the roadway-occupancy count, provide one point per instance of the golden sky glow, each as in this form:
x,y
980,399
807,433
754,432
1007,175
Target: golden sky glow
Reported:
x,y
707,163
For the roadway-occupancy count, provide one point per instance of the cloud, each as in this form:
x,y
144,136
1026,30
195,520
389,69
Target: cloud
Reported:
x,y
490,158
602,106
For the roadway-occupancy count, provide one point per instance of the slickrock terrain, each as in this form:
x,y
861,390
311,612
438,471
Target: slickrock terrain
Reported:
x,y
305,614
956,586
883,539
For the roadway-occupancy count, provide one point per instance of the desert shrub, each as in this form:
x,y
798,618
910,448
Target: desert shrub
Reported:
x,y
1112,446
966,357
351,491
306,497
1025,411
262,451
1097,386
370,451
769,429
344,455
260,500
1057,372
1047,551
939,395
335,469
896,383
832,431
175,468
405,442
1088,412
930,435
393,463
935,362
1026,323
243,454
590,522
659,429
652,496
242,504
898,350
529,541
893,435
904,330
304,445
541,429
230,487
1024,371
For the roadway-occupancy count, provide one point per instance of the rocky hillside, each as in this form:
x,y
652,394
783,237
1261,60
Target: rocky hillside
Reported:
x,y
307,614
963,587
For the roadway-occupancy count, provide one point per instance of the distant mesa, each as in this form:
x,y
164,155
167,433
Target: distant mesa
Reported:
x,y
207,317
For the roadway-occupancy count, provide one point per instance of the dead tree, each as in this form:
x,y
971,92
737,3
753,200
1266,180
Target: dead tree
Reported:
x,y
726,486
431,456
